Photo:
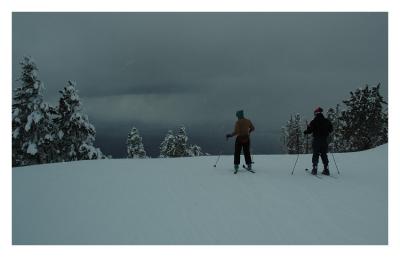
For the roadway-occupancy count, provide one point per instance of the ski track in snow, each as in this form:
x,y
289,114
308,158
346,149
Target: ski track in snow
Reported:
x,y
188,201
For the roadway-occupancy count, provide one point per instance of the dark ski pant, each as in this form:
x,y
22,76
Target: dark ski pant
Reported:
x,y
242,142
320,148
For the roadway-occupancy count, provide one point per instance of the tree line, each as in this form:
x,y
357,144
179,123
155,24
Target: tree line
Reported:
x,y
175,144
359,124
42,133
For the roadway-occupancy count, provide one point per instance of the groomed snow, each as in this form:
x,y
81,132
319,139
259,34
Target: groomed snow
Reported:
x,y
188,201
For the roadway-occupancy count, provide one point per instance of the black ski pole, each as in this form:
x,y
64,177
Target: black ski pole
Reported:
x,y
219,156
215,165
295,162
335,163
298,153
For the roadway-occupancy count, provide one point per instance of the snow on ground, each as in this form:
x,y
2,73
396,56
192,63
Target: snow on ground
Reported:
x,y
188,201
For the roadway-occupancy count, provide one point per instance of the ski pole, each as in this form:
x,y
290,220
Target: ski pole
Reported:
x,y
215,165
220,152
295,162
335,163
298,153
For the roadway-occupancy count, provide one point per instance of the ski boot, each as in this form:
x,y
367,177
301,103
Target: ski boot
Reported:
x,y
248,168
236,167
326,170
314,170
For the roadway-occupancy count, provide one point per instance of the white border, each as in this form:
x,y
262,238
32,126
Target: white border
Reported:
x,y
199,6
9,6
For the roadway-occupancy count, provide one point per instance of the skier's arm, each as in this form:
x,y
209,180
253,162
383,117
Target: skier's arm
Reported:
x,y
309,128
234,133
251,127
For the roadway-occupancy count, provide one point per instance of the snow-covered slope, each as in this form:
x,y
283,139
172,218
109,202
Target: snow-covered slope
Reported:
x,y
188,201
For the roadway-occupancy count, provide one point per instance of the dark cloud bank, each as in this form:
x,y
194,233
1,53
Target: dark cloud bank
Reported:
x,y
157,71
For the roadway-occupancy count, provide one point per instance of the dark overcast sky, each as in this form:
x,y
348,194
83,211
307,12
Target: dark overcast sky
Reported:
x,y
157,71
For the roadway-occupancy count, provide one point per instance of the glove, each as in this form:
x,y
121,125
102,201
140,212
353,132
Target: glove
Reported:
x,y
305,132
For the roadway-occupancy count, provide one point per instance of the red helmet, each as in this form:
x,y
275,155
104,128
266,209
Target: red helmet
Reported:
x,y
318,110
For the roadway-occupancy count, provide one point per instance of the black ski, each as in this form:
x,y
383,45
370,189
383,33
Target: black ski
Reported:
x,y
248,169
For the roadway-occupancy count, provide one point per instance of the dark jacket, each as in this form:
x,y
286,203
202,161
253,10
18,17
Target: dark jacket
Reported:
x,y
320,127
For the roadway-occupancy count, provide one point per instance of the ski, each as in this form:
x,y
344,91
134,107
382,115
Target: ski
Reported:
x,y
247,168
316,175
331,176
322,175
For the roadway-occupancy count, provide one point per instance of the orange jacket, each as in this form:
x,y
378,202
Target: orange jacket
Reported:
x,y
243,127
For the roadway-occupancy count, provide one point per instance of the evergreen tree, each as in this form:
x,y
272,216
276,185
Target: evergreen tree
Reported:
x,y
76,134
291,139
364,121
90,152
294,140
32,125
134,144
283,139
176,145
336,142
195,150
181,148
307,141
167,145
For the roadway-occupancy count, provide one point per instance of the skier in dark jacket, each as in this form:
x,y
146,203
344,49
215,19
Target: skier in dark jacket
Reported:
x,y
243,128
320,127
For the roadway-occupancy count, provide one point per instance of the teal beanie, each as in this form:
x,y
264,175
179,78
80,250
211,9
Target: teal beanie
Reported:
x,y
240,114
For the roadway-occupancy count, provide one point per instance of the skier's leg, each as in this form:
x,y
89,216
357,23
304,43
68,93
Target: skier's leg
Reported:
x,y
246,151
324,157
238,149
315,156
316,151
324,151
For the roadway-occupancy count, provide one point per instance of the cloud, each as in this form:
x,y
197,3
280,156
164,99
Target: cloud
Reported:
x,y
165,69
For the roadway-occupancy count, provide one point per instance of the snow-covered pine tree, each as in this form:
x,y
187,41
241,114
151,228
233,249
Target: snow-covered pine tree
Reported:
x,y
176,145
295,139
76,134
336,142
32,125
283,139
299,128
364,120
167,145
381,107
332,117
90,152
307,140
134,145
383,138
291,140
181,147
194,150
